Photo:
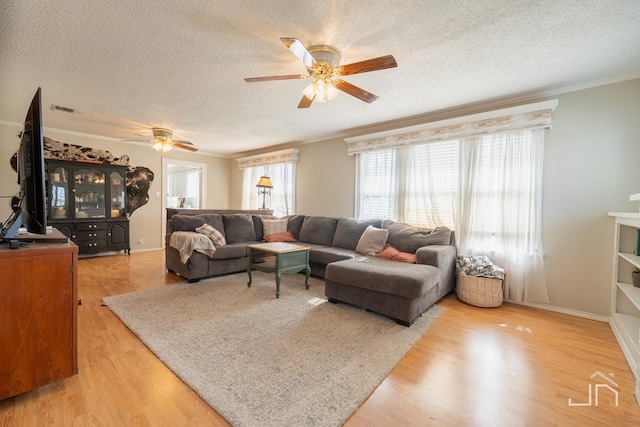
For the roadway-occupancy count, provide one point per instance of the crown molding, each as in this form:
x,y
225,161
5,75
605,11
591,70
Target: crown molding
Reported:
x,y
282,156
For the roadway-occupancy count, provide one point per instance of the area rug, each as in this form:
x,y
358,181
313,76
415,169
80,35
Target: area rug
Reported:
x,y
261,361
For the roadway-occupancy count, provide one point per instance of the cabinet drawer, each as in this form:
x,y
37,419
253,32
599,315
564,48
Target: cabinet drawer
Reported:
x,y
91,246
91,235
86,226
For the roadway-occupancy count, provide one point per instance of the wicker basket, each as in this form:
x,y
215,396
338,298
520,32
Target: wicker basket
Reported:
x,y
479,291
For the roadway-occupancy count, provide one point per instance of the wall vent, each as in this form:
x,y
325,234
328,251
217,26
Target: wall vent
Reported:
x,y
62,109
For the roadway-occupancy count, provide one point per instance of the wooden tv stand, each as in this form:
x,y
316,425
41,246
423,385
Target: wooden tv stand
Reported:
x,y
38,314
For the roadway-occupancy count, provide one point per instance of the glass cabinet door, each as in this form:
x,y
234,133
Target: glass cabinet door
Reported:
x,y
117,189
90,188
59,193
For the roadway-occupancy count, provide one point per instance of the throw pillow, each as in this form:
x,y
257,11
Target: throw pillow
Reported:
x,y
372,240
285,236
273,226
405,257
257,224
393,254
388,252
216,237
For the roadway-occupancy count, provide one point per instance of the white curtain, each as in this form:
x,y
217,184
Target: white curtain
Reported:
x,y
499,211
282,194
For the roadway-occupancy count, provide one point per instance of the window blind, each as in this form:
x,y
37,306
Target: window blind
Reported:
x,y
376,184
431,184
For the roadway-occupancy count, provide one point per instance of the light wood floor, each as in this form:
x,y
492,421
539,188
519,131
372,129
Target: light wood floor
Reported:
x,y
474,367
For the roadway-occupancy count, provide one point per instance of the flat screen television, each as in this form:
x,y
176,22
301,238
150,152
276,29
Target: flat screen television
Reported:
x,y
31,210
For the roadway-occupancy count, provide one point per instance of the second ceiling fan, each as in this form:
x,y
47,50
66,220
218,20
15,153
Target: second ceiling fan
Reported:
x,y
163,141
322,64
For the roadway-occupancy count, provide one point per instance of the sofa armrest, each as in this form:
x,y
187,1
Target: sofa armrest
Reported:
x,y
444,258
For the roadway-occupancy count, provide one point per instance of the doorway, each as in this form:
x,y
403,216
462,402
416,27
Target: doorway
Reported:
x,y
184,186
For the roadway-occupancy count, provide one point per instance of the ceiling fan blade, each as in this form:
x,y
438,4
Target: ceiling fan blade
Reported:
x,y
186,147
299,50
368,65
305,102
352,90
135,140
269,78
182,142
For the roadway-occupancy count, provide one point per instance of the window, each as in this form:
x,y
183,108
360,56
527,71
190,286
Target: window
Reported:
x,y
415,184
280,167
377,184
500,188
281,200
431,184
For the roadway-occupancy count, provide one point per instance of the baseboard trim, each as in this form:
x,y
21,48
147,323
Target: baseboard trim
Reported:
x,y
563,310
146,250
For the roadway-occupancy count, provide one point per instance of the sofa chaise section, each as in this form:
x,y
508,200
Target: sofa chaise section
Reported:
x,y
400,290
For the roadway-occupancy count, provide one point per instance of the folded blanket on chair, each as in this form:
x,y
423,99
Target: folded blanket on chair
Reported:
x,y
188,241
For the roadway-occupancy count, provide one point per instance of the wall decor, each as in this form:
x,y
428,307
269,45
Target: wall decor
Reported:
x,y
139,179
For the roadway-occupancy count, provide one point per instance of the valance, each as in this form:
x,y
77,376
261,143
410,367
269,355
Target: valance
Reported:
x,y
529,116
282,156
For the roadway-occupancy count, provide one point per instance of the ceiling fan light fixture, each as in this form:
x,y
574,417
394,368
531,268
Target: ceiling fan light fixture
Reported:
x,y
162,141
321,90
163,146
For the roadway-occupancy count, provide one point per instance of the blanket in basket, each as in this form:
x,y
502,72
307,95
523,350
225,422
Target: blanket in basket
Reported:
x,y
478,265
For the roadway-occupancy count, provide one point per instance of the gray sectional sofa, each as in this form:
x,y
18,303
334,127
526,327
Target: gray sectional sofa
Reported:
x,y
396,289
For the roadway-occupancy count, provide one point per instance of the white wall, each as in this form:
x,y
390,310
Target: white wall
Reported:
x,y
592,165
325,179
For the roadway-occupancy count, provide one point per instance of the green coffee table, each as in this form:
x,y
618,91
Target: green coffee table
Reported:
x,y
289,258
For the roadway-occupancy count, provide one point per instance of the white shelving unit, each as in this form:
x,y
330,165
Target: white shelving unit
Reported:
x,y
625,299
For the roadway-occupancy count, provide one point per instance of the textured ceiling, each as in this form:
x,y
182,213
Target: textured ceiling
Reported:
x,y
126,66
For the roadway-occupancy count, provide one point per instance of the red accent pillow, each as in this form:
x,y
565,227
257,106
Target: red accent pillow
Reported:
x,y
391,253
285,236
405,257
388,252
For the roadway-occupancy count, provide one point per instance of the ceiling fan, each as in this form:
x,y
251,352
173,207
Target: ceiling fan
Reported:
x,y
322,64
162,141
